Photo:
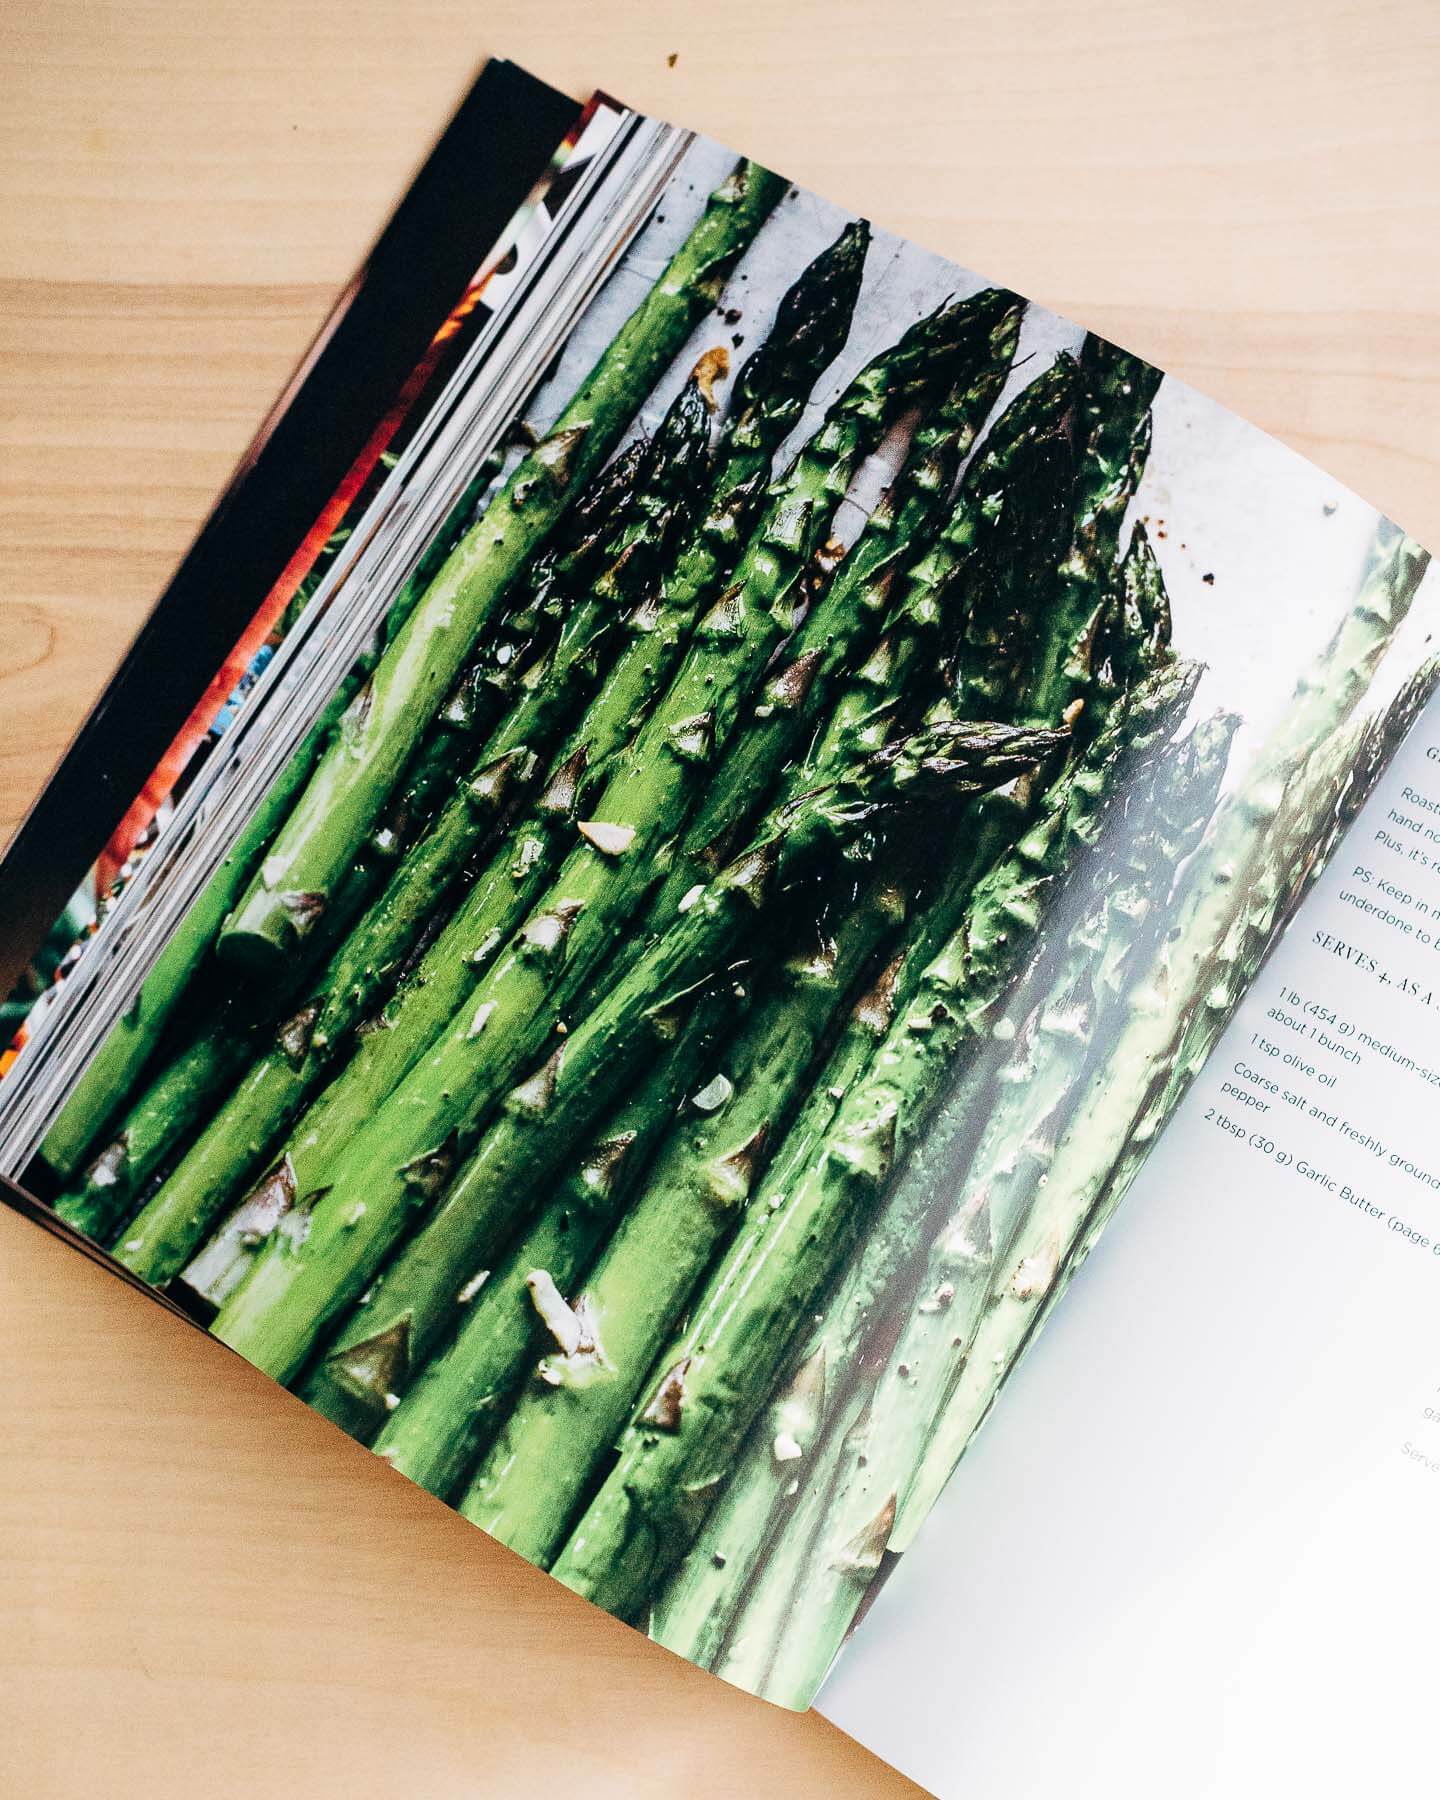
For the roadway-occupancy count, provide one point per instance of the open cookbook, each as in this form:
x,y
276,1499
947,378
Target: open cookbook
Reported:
x,y
715,795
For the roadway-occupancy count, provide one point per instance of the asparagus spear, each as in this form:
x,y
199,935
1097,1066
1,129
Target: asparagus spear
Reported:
x,y
1125,636
433,1117
786,1473
1338,766
1375,744
108,1079
748,1651
1037,1094
1310,825
757,1541
169,1108
502,683
811,325
803,1221
1027,523
1126,640
1144,607
298,1052
170,1111
620,527
444,1420
541,1465
1116,390
349,784
817,1412
810,328
864,1030
518,674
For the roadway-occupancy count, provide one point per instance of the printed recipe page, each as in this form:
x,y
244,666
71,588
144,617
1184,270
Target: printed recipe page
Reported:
x,y
1193,1550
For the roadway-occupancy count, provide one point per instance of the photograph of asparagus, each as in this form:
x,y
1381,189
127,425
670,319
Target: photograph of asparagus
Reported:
x,y
690,1007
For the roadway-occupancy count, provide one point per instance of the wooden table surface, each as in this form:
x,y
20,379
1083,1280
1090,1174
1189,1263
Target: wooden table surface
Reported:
x,y
203,1587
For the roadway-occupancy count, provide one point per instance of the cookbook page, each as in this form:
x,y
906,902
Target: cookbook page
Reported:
x,y
1191,1552
812,751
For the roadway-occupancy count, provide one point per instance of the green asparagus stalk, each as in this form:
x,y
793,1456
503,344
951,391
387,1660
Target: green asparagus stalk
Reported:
x,y
106,1192
1144,608
518,670
864,1031
811,325
1116,391
548,1114
999,549
802,1223
168,1110
1019,495
784,1479
1027,523
619,527
1020,823
1126,632
232,1144
108,1079
1376,741
816,1490
789,1468
542,1464
1338,767
352,778
1052,1238
433,1117
445,1419
414,1302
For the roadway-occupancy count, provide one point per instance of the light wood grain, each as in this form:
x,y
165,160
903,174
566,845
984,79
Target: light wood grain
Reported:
x,y
203,1588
